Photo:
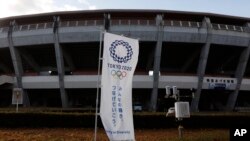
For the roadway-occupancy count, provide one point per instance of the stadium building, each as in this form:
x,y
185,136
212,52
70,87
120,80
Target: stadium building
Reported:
x,y
53,57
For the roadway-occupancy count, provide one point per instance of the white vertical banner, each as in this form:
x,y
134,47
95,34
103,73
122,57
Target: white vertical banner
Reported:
x,y
120,56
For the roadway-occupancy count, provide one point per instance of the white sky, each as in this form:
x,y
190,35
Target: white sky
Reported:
x,y
23,7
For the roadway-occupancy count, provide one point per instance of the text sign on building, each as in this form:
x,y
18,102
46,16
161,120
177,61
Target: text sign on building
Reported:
x,y
219,86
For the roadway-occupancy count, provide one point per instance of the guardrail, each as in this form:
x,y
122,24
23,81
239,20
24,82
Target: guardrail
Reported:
x,y
182,23
229,27
133,22
173,23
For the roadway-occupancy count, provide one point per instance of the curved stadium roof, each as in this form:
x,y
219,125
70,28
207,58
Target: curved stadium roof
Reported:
x,y
123,13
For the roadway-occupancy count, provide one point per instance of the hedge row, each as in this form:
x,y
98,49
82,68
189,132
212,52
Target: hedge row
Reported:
x,y
141,120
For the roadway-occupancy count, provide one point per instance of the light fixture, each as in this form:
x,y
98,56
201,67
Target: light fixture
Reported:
x,y
150,73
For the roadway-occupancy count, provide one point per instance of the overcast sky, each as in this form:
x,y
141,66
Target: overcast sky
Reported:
x,y
23,7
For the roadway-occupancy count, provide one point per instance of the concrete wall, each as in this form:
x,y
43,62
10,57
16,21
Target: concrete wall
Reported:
x,y
139,81
144,33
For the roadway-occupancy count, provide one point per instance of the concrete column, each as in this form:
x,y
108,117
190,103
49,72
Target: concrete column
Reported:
x,y
106,22
157,62
17,64
60,64
239,74
202,65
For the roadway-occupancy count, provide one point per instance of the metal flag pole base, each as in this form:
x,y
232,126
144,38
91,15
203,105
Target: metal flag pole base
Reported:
x,y
180,128
17,106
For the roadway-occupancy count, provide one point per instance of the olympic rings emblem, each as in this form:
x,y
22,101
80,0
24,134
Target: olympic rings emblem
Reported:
x,y
118,74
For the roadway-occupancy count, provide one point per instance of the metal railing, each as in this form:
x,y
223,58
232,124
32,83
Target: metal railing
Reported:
x,y
34,26
173,23
182,23
133,22
229,27
48,25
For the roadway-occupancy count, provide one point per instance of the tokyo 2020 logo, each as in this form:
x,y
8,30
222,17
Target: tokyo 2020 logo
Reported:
x,y
115,56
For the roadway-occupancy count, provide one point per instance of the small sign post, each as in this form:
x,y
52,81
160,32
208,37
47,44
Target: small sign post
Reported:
x,y
17,97
181,108
181,111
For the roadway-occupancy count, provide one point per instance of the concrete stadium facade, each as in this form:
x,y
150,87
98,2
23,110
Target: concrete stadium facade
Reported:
x,y
53,57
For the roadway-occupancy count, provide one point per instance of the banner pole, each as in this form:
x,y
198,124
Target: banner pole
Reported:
x,y
17,97
17,105
98,82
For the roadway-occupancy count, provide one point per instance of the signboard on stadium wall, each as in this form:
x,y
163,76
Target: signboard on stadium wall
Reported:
x,y
219,86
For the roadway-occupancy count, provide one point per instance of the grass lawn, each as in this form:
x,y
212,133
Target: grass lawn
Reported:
x,y
81,134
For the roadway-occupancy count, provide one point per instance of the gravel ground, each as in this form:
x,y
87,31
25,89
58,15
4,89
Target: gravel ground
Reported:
x,y
81,134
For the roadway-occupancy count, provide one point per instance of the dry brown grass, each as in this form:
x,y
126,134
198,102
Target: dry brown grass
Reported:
x,y
80,134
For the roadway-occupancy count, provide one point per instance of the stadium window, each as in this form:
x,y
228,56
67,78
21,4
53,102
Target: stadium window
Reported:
x,y
208,80
212,80
228,81
232,81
